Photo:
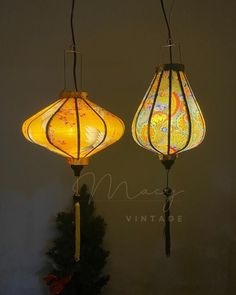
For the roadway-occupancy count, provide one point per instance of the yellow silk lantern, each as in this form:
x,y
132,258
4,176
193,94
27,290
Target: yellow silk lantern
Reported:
x,y
169,119
74,127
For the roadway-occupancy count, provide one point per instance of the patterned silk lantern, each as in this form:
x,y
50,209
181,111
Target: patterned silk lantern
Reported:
x,y
74,127
169,120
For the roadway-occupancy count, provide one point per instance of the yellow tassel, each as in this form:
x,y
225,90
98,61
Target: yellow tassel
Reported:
x,y
77,231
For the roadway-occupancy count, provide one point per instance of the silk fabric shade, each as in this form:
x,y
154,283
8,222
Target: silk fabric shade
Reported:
x,y
74,127
169,120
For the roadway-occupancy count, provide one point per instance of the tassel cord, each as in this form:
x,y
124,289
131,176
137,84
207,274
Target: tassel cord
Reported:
x,y
167,228
167,192
77,170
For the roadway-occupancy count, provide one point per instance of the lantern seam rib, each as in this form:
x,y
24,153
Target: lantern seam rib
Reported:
x,y
55,103
105,127
151,112
188,113
144,100
47,127
78,127
169,115
199,110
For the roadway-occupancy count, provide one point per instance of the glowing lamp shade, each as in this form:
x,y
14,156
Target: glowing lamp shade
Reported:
x,y
73,127
169,120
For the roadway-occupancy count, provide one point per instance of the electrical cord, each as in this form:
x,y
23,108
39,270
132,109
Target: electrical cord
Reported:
x,y
73,45
168,29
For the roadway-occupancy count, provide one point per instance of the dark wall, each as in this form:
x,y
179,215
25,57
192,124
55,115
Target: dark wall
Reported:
x,y
120,41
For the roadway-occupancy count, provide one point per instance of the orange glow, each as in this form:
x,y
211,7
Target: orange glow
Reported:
x,y
73,127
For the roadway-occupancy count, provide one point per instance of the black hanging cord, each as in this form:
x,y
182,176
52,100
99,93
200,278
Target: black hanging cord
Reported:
x,y
170,12
168,163
73,45
169,31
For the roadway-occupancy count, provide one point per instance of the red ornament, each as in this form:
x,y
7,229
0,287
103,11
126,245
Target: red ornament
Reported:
x,y
56,285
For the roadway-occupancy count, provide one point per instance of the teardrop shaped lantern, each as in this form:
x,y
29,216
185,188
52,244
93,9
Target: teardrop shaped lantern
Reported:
x,y
169,120
75,128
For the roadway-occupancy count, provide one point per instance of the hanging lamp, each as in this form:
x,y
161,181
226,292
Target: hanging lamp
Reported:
x,y
74,127
169,120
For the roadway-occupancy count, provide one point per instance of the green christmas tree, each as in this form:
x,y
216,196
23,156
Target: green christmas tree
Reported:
x,y
85,277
